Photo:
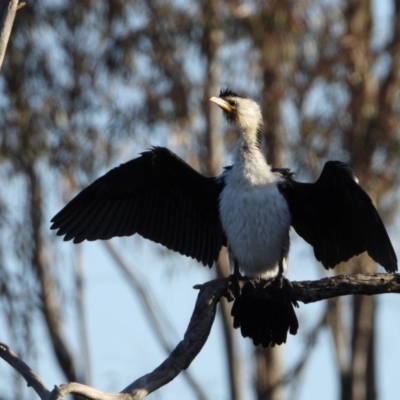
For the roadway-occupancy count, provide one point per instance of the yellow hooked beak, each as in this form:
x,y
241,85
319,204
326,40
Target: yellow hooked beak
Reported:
x,y
222,103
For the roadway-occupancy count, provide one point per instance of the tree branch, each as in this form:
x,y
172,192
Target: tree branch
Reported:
x,y
199,328
153,311
8,10
23,369
345,285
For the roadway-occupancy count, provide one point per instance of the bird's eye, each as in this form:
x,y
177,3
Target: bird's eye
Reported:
x,y
232,103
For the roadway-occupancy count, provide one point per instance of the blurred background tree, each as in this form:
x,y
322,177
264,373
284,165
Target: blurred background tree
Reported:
x,y
89,84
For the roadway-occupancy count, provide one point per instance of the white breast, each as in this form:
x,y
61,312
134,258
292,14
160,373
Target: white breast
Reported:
x,y
256,220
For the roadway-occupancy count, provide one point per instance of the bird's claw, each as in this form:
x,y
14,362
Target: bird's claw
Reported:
x,y
281,289
235,285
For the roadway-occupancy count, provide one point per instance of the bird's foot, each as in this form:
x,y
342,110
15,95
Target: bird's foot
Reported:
x,y
236,283
281,289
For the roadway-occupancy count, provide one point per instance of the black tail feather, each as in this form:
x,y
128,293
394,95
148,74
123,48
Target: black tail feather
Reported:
x,y
266,321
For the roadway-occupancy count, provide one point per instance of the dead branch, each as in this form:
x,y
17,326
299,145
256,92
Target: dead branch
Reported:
x,y
8,10
30,377
345,285
199,328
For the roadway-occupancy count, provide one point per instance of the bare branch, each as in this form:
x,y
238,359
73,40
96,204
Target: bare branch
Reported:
x,y
88,392
345,285
23,369
340,285
8,10
199,329
154,313
193,341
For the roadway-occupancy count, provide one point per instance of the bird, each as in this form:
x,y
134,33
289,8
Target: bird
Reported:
x,y
249,208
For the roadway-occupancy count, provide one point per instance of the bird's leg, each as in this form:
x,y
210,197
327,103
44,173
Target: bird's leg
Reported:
x,y
280,279
236,272
235,288
281,287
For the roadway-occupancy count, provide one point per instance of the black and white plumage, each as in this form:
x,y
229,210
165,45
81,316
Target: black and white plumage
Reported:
x,y
249,208
254,214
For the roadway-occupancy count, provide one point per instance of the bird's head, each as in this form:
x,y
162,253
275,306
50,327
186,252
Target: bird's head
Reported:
x,y
243,111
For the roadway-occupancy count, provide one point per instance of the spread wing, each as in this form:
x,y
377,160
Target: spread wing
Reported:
x,y
337,218
156,195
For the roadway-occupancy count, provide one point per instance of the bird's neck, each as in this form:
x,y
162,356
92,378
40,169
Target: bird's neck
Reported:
x,y
250,163
249,142
248,146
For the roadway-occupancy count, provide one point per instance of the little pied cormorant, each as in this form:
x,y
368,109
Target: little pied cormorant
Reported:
x,y
249,208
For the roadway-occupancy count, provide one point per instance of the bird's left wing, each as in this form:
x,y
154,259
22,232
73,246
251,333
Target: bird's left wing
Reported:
x,y
337,218
156,195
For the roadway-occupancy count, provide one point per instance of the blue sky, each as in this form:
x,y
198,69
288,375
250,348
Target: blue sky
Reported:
x,y
123,347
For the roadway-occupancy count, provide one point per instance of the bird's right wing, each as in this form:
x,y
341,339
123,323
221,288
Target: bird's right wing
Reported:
x,y
337,218
156,195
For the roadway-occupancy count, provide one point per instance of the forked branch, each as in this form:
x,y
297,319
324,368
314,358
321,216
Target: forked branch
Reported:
x,y
198,331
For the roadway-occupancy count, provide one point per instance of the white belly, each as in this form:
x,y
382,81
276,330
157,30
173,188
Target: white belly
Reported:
x,y
256,220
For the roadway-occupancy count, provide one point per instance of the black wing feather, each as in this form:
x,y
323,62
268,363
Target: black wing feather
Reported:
x,y
156,195
337,218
